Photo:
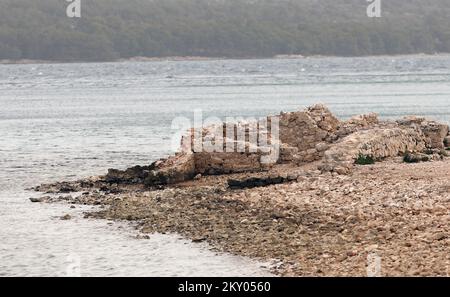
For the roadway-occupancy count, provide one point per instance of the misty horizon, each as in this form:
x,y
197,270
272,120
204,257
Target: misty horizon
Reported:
x,y
115,29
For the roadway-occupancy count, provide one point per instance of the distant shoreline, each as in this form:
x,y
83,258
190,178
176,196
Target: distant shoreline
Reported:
x,y
199,58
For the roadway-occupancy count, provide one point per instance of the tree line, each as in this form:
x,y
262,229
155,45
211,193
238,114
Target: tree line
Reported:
x,y
112,29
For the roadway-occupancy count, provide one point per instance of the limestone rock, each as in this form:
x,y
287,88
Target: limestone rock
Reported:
x,y
416,158
132,175
376,143
304,136
174,170
447,141
436,133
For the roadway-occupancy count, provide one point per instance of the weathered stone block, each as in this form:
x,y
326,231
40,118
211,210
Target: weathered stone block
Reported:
x,y
447,141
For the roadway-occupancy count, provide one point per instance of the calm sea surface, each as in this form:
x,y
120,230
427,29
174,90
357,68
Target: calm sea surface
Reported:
x,y
67,121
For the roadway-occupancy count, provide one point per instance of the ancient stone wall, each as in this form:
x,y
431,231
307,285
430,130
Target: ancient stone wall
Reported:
x,y
224,163
434,131
232,147
248,146
305,136
357,123
374,144
389,139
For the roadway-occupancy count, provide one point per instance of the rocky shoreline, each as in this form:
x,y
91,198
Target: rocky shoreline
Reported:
x,y
318,213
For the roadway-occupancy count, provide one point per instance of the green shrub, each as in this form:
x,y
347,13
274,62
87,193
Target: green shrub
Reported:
x,y
365,160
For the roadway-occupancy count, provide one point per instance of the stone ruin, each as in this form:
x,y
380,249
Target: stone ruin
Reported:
x,y
380,140
311,135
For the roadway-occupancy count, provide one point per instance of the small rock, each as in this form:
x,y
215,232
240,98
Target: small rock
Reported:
x,y
322,146
198,239
348,191
447,141
444,153
439,236
292,177
66,217
372,248
416,158
341,170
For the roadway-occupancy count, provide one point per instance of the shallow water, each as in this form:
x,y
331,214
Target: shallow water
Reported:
x,y
66,121
36,242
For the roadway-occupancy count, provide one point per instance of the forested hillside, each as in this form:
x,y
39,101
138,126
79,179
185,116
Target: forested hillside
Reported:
x,y
111,29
